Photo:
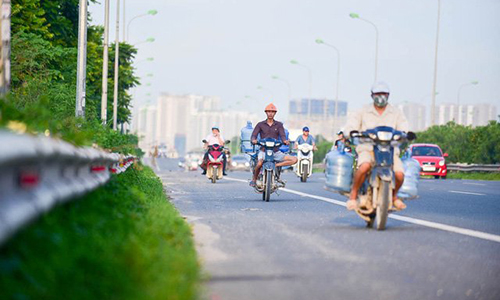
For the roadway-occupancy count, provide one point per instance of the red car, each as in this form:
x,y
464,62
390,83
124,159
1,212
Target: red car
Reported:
x,y
431,159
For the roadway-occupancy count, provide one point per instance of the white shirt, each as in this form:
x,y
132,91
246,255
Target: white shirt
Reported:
x,y
212,140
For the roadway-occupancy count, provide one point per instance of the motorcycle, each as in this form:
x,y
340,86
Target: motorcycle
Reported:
x,y
268,180
376,191
215,164
304,165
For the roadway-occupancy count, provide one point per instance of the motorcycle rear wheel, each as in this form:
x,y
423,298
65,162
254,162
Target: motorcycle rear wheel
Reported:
x,y
304,176
214,176
382,206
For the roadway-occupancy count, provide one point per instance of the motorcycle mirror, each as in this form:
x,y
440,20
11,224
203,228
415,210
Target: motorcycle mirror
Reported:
x,y
411,136
204,141
227,142
354,133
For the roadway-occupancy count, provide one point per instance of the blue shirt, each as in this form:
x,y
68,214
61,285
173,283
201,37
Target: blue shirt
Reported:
x,y
300,140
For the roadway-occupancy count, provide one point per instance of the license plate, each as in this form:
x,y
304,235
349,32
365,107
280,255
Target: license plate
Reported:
x,y
428,168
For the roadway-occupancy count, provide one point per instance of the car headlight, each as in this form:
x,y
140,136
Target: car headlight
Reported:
x,y
441,163
233,164
384,136
270,144
247,164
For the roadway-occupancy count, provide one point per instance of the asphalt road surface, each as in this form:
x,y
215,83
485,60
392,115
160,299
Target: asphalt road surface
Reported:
x,y
305,245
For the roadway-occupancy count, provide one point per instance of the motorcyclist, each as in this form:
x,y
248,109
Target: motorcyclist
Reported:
x,y
215,138
271,128
305,138
341,139
379,113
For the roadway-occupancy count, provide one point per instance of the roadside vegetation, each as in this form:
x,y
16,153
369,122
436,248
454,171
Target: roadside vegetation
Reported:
x,y
473,175
122,241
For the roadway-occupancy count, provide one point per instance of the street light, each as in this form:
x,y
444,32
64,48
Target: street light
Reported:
x,y
459,115
148,40
144,60
309,73
267,90
151,12
356,16
287,84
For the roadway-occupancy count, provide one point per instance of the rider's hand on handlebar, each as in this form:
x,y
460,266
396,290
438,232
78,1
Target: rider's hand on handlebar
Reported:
x,y
254,142
287,142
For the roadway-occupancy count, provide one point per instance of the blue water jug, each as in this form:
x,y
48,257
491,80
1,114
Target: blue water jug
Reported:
x,y
338,170
409,189
246,135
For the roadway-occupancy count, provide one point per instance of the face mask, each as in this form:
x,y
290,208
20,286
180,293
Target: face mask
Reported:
x,y
380,100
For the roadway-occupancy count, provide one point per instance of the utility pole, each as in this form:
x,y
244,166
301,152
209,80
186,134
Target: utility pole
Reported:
x,y
433,95
123,21
4,46
81,70
105,58
117,65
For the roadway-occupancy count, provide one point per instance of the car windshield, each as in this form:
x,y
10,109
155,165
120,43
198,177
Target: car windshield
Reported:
x,y
426,151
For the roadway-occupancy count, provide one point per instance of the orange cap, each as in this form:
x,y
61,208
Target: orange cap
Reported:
x,y
270,107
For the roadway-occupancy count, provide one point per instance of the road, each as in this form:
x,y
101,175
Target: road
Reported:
x,y
305,245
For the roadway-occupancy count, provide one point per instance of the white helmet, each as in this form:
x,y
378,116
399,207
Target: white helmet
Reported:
x,y
380,87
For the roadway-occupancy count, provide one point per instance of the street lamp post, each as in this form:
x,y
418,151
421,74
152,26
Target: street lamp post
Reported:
x,y
321,42
105,58
81,72
117,65
267,90
356,16
151,12
434,81
287,84
148,40
459,115
309,73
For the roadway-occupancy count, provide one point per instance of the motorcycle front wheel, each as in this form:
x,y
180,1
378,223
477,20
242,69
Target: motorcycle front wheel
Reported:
x,y
268,180
214,176
382,206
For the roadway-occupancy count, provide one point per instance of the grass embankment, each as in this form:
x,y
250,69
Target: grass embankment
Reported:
x,y
122,241
473,175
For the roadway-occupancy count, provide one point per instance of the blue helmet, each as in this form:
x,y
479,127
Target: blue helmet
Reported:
x,y
305,128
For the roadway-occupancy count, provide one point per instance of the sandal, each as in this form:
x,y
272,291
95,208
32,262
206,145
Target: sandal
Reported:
x,y
351,204
252,183
398,204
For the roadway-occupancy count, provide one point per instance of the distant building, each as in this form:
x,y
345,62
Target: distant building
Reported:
x,y
318,114
415,114
147,127
466,114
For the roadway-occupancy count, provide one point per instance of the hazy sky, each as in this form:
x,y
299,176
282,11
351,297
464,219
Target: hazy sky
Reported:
x,y
229,47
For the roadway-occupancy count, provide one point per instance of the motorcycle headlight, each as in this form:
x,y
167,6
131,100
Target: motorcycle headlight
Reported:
x,y
270,144
269,152
441,163
384,136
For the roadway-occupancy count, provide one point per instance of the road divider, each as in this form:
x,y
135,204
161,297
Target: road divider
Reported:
x,y
434,225
37,172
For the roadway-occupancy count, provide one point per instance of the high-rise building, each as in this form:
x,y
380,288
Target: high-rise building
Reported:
x,y
484,113
466,114
415,114
146,129
318,114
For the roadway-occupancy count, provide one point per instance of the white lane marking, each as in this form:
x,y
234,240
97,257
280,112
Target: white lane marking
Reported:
x,y
467,193
444,227
473,183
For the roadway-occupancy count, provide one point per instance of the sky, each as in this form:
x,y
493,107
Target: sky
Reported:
x,y
228,48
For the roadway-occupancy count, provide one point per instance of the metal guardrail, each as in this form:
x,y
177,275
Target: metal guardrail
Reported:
x,y
473,168
37,173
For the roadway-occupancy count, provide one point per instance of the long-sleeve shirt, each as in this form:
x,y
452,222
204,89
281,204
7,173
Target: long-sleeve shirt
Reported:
x,y
369,118
275,131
